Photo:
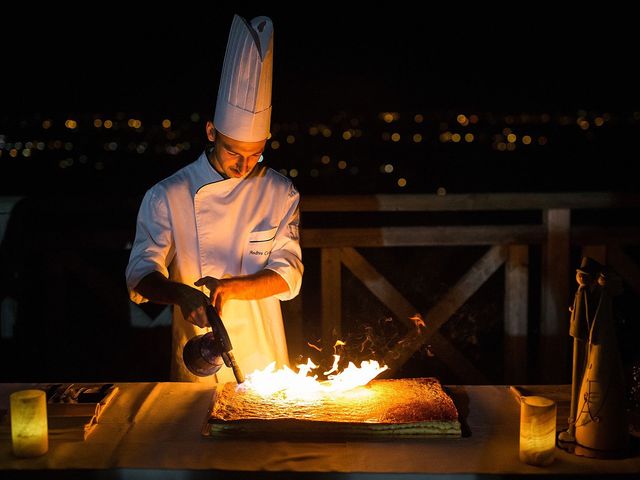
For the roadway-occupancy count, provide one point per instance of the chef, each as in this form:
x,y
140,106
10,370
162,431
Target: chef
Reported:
x,y
224,229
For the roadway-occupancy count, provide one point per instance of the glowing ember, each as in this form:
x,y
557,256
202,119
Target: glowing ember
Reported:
x,y
301,385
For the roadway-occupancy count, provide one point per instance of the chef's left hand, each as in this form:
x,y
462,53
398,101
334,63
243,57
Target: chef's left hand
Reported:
x,y
219,293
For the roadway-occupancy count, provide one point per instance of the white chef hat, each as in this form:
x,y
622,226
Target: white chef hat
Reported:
x,y
243,108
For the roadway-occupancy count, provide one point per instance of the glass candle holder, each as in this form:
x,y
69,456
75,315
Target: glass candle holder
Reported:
x,y
537,430
29,432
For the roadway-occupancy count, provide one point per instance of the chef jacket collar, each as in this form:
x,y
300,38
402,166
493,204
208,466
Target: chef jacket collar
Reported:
x,y
205,174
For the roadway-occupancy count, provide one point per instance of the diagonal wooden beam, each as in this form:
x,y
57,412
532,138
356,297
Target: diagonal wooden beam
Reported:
x,y
378,285
403,309
470,282
466,372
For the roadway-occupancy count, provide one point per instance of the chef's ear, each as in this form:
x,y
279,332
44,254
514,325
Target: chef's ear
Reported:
x,y
211,131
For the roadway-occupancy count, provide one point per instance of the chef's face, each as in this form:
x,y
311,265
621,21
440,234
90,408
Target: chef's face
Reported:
x,y
233,158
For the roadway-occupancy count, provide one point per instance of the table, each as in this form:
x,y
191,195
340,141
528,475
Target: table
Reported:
x,y
152,430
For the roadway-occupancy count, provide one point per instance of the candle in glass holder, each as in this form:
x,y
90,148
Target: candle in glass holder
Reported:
x,y
537,430
29,433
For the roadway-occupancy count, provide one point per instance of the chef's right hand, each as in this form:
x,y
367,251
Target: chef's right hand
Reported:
x,y
193,304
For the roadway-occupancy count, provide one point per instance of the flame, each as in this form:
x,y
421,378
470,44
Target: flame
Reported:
x,y
418,321
314,346
302,385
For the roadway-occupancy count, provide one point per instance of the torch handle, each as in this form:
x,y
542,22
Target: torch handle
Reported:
x,y
224,343
219,332
230,361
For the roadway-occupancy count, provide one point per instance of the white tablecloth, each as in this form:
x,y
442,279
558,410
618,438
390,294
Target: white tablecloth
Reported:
x,y
153,427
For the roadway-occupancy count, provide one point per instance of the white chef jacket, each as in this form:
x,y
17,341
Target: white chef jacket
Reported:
x,y
194,224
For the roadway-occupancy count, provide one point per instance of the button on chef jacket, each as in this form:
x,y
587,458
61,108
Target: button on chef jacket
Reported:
x,y
194,224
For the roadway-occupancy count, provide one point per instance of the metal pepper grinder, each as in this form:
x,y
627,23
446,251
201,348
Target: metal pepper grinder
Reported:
x,y
205,354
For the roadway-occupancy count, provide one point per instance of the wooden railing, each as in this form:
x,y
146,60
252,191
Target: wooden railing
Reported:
x,y
507,245
341,243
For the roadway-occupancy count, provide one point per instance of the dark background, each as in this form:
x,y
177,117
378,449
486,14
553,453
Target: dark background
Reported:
x,y
116,57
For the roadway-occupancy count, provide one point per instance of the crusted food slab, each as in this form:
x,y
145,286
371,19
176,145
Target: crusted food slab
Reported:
x,y
416,407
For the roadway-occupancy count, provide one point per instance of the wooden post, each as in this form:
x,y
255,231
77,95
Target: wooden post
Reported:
x,y
294,327
331,266
516,302
553,363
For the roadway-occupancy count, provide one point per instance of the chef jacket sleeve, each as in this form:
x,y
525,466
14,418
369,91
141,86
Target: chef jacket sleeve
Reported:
x,y
286,256
153,248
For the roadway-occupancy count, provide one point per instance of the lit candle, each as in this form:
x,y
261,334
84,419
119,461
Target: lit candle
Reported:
x,y
537,430
29,433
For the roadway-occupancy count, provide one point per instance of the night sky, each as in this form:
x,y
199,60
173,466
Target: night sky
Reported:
x,y
103,58
108,58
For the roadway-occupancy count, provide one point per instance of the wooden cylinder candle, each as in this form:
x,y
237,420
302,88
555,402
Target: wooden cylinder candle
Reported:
x,y
537,430
29,433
